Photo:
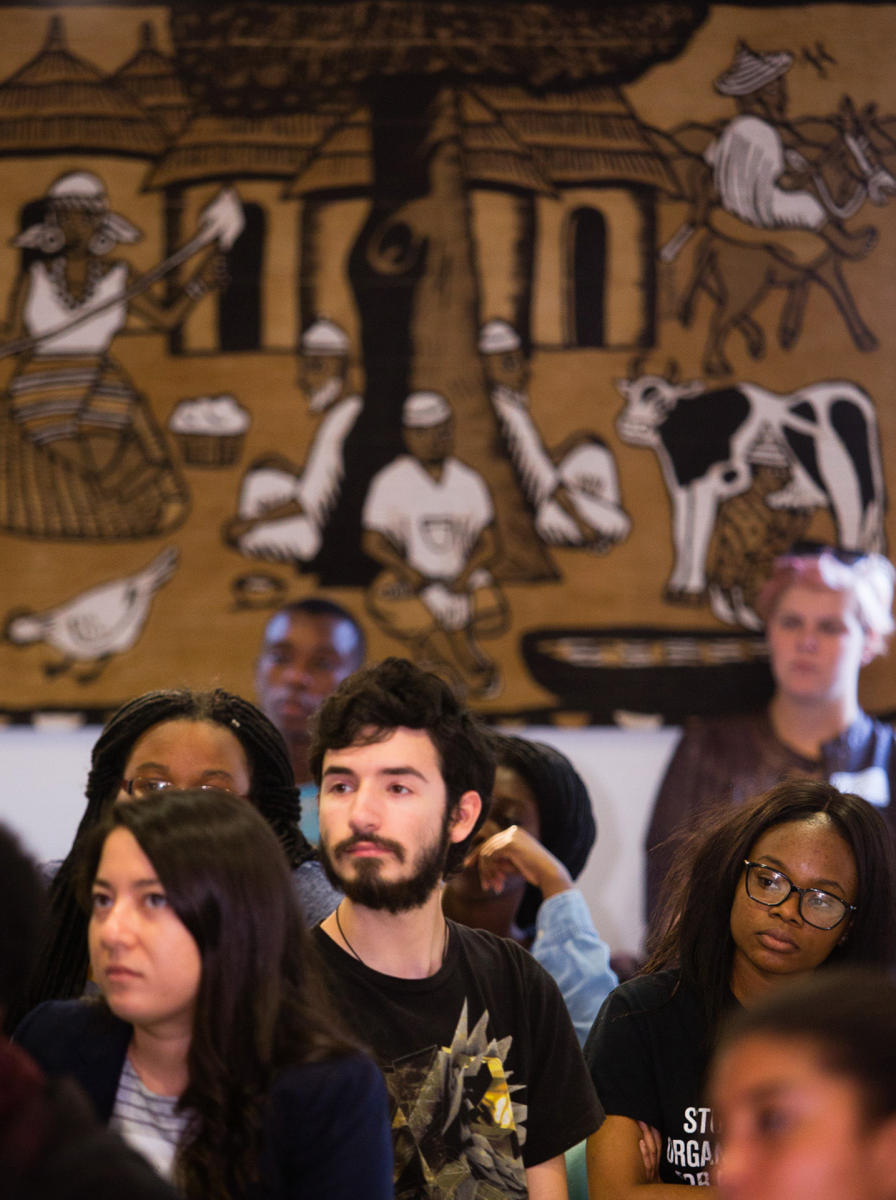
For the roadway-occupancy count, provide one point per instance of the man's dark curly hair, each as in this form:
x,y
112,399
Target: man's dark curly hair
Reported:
x,y
375,701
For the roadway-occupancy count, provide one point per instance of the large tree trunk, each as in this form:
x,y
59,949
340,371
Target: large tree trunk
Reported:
x,y
414,275
445,320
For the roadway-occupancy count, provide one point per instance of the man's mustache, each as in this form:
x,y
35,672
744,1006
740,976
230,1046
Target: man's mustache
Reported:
x,y
369,839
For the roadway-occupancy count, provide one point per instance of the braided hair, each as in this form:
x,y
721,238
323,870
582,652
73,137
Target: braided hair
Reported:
x,y
61,969
566,818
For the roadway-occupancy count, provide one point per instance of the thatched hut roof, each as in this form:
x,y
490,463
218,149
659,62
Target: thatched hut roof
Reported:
x,y
223,147
58,102
341,161
492,155
151,79
513,139
584,137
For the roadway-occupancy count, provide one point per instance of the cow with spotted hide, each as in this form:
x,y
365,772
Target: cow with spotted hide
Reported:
x,y
703,439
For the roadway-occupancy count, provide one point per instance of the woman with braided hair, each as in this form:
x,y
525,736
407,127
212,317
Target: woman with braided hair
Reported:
x,y
517,880
180,738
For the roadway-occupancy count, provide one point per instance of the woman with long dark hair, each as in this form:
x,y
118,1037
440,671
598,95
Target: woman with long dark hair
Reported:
x,y
801,878
212,1050
182,738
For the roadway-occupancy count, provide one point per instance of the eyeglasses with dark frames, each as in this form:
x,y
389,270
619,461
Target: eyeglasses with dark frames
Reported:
x,y
147,785
818,908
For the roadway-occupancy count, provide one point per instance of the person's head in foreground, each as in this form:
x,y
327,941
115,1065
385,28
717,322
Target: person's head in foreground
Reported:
x,y
538,791
803,1089
827,613
404,772
162,739
197,943
22,899
308,647
802,877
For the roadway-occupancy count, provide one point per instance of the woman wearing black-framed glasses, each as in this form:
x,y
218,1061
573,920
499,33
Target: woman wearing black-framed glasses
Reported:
x,y
801,877
821,909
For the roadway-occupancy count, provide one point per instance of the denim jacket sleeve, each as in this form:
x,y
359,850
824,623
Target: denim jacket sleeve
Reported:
x,y
571,950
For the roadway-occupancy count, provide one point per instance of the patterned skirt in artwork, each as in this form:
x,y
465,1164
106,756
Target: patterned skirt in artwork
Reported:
x,y
81,455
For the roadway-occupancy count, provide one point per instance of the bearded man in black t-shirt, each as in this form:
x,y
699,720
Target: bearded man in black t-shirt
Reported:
x,y
487,1082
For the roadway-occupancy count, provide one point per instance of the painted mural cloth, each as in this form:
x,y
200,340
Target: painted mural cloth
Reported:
x,y
82,453
436,534
642,254
93,465
747,160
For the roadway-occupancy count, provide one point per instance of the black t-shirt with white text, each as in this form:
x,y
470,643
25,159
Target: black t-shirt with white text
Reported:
x,y
648,1052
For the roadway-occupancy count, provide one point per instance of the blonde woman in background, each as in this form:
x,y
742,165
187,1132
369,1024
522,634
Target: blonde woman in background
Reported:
x,y
827,613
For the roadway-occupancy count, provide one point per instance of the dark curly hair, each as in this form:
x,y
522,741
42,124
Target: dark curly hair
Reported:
x,y
61,969
260,1006
372,703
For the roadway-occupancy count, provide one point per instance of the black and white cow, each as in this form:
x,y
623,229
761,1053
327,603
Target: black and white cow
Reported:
x,y
827,430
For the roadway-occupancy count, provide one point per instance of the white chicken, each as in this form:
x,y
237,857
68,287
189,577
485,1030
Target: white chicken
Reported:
x,y
92,627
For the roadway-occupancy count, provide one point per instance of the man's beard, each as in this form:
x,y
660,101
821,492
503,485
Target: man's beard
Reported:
x,y
399,895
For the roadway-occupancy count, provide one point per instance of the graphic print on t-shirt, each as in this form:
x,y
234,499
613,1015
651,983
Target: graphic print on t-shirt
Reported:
x,y
455,1127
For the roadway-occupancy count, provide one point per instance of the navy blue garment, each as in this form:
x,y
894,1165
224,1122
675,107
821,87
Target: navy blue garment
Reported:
x,y
326,1133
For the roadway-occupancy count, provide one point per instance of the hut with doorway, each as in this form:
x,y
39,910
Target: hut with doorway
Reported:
x,y
258,309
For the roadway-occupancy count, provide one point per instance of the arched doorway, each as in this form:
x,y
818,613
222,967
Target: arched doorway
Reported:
x,y
587,275
239,305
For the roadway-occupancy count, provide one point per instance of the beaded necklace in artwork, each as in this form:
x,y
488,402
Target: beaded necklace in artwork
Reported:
x,y
56,270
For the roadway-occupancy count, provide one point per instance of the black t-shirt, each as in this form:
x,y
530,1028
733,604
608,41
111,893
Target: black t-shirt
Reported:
x,y
484,1071
647,1052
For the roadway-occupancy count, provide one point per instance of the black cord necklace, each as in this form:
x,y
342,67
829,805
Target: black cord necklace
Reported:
x,y
355,952
344,938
